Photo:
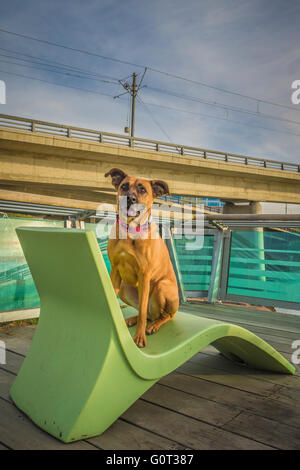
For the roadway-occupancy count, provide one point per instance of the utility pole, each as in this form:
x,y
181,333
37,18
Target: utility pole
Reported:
x,y
133,90
133,96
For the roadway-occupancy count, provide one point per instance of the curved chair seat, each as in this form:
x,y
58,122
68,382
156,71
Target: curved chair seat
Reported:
x,y
83,369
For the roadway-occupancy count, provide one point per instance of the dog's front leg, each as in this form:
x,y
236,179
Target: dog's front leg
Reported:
x,y
115,279
144,289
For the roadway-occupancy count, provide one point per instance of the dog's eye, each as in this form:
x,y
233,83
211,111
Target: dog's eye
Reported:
x,y
125,187
141,189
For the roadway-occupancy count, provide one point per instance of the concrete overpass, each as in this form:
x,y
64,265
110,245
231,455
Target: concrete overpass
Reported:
x,y
55,164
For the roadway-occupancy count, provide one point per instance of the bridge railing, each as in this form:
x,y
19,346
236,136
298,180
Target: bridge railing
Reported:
x,y
60,130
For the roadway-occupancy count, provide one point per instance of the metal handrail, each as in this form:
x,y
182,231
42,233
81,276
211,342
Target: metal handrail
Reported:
x,y
61,130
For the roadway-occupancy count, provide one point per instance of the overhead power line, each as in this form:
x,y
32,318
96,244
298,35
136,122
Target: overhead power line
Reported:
x,y
224,90
69,74
222,105
56,84
74,49
168,74
57,64
154,119
220,118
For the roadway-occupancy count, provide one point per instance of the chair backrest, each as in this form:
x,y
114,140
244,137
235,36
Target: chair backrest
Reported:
x,y
72,280
68,268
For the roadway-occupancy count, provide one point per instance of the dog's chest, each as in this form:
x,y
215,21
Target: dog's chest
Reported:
x,y
127,267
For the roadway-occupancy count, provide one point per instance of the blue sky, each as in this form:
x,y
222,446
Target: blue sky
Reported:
x,y
249,47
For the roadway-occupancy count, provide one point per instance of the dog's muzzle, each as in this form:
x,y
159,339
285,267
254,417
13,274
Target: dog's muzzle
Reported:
x,y
133,207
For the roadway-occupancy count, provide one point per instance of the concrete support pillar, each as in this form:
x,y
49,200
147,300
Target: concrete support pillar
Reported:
x,y
252,207
255,235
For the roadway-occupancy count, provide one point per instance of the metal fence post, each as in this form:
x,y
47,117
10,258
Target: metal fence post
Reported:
x,y
175,262
225,265
216,267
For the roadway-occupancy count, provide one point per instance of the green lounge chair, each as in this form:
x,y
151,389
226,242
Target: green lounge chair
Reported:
x,y
83,369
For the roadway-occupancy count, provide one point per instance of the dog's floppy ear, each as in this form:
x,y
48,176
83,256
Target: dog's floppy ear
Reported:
x,y
159,187
117,176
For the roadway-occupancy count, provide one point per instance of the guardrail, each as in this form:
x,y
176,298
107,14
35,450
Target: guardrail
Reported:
x,y
60,130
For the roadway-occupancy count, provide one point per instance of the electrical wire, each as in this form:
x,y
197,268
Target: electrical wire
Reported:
x,y
221,105
220,118
155,120
82,51
56,84
69,74
168,74
223,90
52,63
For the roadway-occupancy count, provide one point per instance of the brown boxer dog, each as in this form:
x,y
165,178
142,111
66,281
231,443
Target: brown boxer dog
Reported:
x,y
141,270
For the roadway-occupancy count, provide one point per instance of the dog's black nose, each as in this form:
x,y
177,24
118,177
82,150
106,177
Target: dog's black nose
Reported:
x,y
132,198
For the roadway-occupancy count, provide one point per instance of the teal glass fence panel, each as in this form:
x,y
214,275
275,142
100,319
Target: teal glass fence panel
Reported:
x,y
17,289
102,234
265,264
195,264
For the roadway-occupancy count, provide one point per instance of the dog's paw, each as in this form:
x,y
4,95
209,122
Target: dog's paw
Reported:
x,y
140,340
131,321
153,327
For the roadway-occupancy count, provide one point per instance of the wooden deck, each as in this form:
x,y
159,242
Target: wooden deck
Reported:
x,y
208,403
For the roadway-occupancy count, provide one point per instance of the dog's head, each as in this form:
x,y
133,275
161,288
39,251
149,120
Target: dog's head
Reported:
x,y
138,193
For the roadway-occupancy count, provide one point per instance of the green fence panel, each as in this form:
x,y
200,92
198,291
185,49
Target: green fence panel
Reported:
x,y
195,264
17,289
265,264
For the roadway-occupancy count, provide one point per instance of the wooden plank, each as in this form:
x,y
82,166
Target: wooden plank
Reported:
x,y
126,436
237,381
280,344
274,320
224,316
238,399
280,436
211,350
221,363
275,390
13,362
6,381
245,314
19,433
188,432
189,405
262,330
281,341
18,338
284,346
